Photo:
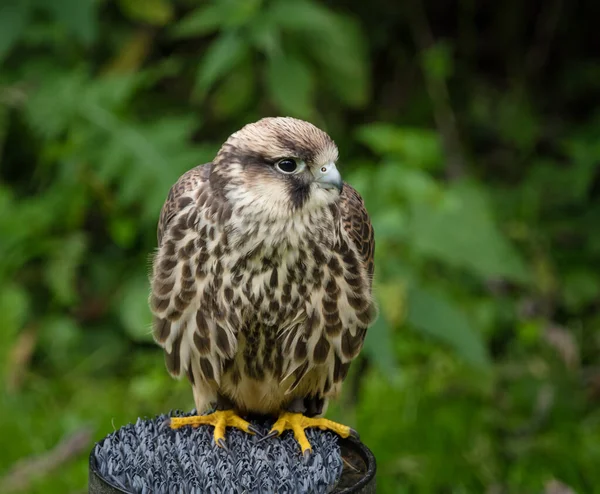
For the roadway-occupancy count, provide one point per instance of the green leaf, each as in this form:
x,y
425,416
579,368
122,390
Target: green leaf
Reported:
x,y
393,183
584,155
123,230
291,85
416,147
202,21
391,224
14,307
134,155
437,61
134,311
225,14
14,16
378,347
436,315
460,230
303,16
78,16
516,121
236,91
61,337
392,301
417,186
4,123
14,310
52,108
334,41
222,56
154,12
581,287
344,62
61,269
112,92
18,245
265,36
240,12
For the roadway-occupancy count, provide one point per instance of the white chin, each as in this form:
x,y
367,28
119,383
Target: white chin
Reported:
x,y
320,197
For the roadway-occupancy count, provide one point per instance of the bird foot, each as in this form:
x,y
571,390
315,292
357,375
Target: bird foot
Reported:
x,y
297,423
219,419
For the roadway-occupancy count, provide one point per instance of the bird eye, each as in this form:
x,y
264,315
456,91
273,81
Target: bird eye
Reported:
x,y
287,165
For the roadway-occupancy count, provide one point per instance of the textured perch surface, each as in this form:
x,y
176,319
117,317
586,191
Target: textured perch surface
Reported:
x,y
149,457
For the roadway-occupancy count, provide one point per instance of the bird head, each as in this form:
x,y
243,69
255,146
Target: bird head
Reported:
x,y
278,165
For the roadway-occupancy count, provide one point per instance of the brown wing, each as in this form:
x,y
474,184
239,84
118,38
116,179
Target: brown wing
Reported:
x,y
185,270
357,224
187,182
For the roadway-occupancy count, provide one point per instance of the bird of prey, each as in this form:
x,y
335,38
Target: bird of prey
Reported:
x,y
261,285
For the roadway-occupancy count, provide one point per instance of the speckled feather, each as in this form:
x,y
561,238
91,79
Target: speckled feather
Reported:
x,y
261,286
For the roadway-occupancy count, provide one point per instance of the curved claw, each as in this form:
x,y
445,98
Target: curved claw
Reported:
x,y
253,430
306,454
221,443
268,436
354,434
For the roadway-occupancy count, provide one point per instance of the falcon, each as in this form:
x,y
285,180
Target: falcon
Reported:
x,y
261,285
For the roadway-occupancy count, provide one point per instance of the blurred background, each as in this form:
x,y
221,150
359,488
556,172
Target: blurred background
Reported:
x,y
471,130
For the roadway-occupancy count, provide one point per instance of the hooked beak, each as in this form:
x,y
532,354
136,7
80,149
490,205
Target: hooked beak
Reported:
x,y
328,177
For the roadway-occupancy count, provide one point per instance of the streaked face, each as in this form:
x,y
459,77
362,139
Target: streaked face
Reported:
x,y
282,165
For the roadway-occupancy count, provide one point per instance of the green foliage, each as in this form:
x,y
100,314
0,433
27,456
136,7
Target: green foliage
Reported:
x,y
476,152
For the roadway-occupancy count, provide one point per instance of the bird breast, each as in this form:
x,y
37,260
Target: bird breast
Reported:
x,y
247,302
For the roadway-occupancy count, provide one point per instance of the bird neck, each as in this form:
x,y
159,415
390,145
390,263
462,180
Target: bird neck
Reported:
x,y
251,230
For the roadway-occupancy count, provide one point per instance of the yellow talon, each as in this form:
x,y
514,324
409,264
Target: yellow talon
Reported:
x,y
220,420
297,423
